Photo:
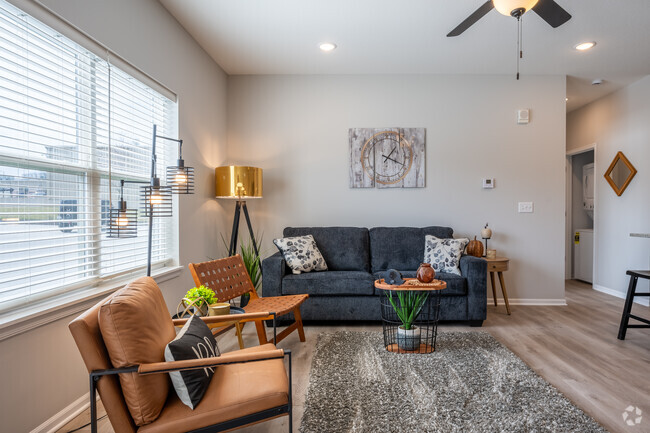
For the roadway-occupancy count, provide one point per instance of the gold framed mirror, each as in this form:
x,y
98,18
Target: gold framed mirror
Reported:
x,y
620,173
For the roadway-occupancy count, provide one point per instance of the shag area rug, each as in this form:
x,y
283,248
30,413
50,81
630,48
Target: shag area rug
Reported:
x,y
471,383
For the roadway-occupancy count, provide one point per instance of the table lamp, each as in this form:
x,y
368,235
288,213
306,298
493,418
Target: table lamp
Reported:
x,y
239,183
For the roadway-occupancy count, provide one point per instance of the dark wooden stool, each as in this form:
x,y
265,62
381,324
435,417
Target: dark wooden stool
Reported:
x,y
631,293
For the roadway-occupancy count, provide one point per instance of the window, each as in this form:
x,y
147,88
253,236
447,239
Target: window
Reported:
x,y
71,126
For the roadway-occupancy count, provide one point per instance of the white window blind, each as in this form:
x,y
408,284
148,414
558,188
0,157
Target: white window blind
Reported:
x,y
64,114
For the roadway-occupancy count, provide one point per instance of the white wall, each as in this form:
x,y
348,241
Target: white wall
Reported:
x,y
618,122
42,371
296,128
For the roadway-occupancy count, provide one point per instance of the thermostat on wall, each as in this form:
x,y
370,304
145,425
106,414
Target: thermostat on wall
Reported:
x,y
488,183
523,116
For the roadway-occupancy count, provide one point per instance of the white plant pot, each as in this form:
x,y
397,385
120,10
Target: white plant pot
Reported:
x,y
408,339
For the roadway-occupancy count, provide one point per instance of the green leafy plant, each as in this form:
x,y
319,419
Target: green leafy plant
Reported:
x,y
252,261
409,306
201,292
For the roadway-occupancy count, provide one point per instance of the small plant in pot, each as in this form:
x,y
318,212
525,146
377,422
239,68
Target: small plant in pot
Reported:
x,y
407,307
205,302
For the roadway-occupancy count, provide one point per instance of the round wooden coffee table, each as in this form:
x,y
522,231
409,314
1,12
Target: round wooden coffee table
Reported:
x,y
422,338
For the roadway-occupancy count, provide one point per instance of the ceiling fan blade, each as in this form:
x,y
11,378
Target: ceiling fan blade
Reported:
x,y
470,20
551,12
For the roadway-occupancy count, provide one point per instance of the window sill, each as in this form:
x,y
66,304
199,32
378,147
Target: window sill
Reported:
x,y
30,317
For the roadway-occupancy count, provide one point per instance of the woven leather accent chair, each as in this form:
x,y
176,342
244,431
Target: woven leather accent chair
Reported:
x,y
229,279
248,386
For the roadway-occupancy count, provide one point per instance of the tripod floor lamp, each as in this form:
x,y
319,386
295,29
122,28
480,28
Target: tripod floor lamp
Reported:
x,y
239,183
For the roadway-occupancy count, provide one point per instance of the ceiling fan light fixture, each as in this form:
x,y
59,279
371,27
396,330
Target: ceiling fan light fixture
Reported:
x,y
513,7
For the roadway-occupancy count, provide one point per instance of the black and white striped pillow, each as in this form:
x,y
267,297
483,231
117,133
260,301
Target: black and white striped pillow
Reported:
x,y
193,341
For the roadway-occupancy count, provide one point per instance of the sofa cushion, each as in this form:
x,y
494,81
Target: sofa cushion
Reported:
x,y
344,248
456,284
329,283
301,253
136,326
401,247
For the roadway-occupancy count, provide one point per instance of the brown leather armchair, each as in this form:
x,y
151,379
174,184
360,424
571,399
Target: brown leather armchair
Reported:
x,y
248,386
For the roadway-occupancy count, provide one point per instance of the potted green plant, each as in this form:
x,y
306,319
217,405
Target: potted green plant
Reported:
x,y
204,300
407,307
252,263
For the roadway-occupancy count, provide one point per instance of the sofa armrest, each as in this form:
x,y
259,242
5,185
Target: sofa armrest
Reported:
x,y
273,270
475,270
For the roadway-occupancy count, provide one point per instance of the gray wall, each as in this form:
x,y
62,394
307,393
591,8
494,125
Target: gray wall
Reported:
x,y
296,127
618,122
42,371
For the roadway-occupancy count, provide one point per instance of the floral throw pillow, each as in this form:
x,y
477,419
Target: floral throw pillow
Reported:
x,y
444,254
301,254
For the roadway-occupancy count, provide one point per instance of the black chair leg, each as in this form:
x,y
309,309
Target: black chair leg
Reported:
x,y
625,319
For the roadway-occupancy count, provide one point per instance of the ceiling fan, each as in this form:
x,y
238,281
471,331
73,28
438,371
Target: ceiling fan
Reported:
x,y
548,10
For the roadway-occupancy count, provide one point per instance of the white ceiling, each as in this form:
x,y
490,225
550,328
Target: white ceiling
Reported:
x,y
409,37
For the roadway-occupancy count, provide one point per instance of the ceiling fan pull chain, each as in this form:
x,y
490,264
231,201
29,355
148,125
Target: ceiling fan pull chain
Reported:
x,y
521,37
519,50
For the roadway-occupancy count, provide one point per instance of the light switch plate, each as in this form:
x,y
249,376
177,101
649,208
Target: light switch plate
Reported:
x,y
525,207
488,183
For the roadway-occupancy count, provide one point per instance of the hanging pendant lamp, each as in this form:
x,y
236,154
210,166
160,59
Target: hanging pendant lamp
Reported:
x,y
123,222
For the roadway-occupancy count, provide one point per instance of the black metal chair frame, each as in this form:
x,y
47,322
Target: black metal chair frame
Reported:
x,y
631,293
227,425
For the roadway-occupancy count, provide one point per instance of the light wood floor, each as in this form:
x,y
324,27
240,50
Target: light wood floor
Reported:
x,y
574,348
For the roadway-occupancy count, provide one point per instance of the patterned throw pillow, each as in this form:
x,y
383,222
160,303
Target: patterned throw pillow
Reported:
x,y
301,254
444,254
194,341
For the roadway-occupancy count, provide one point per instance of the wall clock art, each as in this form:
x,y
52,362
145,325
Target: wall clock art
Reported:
x,y
386,157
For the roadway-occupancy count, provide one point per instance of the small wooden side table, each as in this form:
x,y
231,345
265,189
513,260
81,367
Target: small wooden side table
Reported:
x,y
498,265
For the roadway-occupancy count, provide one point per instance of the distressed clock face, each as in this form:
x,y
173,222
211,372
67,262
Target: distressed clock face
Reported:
x,y
387,157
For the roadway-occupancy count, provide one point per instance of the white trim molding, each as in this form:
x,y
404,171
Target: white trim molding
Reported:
x,y
531,302
641,301
64,416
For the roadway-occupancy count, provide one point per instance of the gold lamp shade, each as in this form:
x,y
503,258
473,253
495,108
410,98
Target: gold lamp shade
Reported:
x,y
234,181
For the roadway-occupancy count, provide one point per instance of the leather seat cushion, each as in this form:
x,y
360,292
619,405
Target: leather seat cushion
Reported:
x,y
456,284
329,283
136,326
236,390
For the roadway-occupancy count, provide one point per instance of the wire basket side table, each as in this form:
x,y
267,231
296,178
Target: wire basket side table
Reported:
x,y
421,338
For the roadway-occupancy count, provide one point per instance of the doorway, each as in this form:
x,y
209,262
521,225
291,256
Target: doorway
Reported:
x,y
580,214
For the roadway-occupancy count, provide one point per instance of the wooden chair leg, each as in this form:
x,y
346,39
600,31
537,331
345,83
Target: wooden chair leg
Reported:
x,y
238,328
261,332
298,317
627,309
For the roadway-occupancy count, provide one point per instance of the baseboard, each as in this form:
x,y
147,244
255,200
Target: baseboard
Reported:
x,y
530,302
64,416
641,301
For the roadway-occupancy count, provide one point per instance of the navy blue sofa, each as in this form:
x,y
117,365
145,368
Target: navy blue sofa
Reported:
x,y
356,257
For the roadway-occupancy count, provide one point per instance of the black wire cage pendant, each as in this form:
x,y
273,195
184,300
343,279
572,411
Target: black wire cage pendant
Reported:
x,y
122,221
157,199
180,177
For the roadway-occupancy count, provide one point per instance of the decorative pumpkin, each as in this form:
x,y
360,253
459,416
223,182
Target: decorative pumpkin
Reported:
x,y
475,248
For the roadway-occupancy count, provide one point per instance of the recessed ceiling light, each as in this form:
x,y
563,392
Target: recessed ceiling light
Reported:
x,y
566,99
327,47
583,46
